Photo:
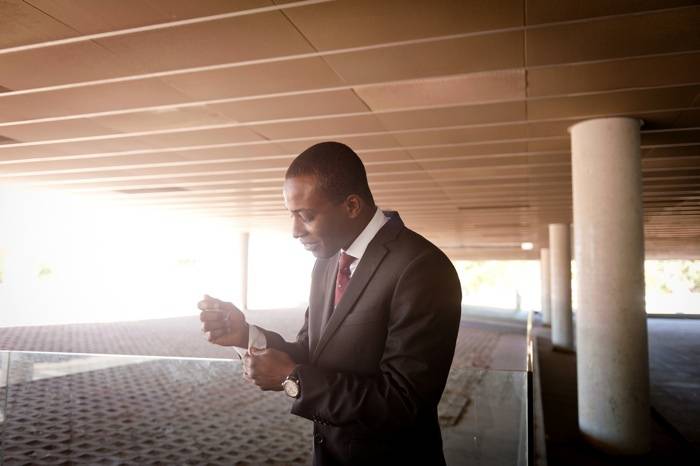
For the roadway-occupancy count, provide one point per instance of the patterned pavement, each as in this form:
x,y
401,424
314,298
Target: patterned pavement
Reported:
x,y
69,409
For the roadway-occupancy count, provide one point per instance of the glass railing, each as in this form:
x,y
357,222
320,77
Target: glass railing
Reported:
x,y
64,408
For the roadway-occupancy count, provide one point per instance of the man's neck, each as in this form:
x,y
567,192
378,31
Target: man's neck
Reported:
x,y
362,223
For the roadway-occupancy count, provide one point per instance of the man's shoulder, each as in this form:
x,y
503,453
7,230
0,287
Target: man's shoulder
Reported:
x,y
417,260
412,245
408,238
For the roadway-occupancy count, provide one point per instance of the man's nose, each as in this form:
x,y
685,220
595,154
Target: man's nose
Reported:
x,y
298,229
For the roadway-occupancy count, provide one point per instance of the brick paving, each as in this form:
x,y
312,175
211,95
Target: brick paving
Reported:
x,y
175,337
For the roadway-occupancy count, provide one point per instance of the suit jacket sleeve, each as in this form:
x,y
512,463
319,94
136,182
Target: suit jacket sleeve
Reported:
x,y
298,350
421,334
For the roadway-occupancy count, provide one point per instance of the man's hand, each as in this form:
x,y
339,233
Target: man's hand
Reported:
x,y
223,322
267,368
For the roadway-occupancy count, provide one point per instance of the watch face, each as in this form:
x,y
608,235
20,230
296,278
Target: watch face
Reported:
x,y
291,388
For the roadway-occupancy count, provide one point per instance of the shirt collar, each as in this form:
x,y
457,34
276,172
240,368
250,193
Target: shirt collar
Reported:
x,y
359,246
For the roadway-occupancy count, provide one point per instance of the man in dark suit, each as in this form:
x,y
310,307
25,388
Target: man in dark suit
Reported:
x,y
370,363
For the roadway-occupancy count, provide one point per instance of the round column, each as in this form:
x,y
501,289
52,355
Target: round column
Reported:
x,y
544,287
560,283
612,355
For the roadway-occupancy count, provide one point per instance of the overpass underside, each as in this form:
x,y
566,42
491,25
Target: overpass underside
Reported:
x,y
459,110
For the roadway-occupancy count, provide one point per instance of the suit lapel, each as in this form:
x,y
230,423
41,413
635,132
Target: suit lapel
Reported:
x,y
375,253
321,300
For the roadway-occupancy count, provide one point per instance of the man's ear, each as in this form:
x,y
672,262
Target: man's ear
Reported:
x,y
353,205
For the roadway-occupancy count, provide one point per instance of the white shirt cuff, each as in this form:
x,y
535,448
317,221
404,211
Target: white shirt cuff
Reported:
x,y
256,338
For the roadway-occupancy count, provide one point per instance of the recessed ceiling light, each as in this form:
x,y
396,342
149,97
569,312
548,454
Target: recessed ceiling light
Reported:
x,y
526,246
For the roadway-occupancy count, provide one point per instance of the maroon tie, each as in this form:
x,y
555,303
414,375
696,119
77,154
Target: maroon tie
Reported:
x,y
343,278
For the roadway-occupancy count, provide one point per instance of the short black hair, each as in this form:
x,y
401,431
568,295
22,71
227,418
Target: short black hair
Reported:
x,y
338,170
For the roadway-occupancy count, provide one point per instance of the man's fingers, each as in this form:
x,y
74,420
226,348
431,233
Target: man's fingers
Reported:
x,y
209,303
213,304
217,333
208,306
209,325
264,383
226,310
205,316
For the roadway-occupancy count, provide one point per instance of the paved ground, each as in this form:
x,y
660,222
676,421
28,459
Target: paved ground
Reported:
x,y
674,362
136,410
176,337
674,381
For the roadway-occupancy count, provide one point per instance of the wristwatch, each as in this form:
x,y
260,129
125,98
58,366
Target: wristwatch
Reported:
x,y
291,386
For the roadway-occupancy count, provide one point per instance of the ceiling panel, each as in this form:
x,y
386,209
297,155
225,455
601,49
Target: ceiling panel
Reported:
x,y
86,100
358,143
323,127
82,61
462,135
454,115
15,152
241,38
292,106
170,118
212,136
626,73
354,23
497,51
549,11
21,24
623,102
55,130
90,17
454,90
492,149
258,79
652,33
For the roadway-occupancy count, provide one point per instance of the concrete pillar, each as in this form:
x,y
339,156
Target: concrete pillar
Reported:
x,y
545,287
560,283
245,240
612,355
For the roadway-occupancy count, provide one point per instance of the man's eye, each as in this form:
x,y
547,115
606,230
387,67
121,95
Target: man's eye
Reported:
x,y
306,218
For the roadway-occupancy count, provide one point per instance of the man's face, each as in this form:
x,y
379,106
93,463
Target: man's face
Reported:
x,y
321,225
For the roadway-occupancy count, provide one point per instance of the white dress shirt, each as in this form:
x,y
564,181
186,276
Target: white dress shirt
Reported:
x,y
359,246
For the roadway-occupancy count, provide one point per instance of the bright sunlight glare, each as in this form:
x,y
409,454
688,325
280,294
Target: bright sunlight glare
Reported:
x,y
66,259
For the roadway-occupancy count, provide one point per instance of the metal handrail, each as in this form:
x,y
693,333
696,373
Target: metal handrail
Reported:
x,y
530,400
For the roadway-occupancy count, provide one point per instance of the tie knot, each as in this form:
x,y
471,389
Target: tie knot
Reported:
x,y
345,261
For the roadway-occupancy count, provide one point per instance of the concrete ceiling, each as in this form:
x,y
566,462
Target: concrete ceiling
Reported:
x,y
458,108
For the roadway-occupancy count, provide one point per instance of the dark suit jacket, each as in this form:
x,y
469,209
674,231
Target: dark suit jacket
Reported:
x,y
372,378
